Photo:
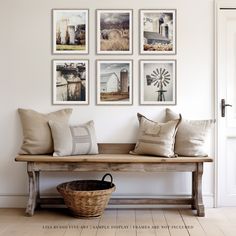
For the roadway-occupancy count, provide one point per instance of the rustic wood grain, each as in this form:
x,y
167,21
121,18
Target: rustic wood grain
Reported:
x,y
198,184
31,205
111,158
127,201
127,167
115,148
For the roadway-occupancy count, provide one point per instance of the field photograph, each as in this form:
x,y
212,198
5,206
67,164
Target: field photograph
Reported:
x,y
157,31
114,31
114,83
70,31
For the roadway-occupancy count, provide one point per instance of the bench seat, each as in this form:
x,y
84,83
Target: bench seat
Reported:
x,y
111,158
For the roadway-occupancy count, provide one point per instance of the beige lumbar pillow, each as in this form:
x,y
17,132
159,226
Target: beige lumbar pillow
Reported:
x,y
73,140
155,138
191,136
37,134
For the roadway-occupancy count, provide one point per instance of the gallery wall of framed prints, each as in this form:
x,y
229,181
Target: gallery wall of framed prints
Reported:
x,y
114,34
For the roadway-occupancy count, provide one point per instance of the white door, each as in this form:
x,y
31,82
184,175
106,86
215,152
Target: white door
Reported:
x,y
226,89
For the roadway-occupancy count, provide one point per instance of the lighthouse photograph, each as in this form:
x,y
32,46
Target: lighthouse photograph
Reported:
x,y
114,82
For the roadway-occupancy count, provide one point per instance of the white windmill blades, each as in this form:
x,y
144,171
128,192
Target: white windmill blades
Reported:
x,y
160,77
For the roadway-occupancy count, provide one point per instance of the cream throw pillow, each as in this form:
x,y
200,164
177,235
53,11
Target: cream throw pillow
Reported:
x,y
73,140
191,135
156,138
37,135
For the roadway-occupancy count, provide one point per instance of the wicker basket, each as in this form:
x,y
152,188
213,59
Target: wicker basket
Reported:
x,y
87,198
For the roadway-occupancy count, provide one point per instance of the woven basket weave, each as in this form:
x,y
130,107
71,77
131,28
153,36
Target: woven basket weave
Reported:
x,y
87,198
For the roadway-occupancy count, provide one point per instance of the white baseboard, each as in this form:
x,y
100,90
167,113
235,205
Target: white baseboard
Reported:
x,y
208,201
13,201
19,201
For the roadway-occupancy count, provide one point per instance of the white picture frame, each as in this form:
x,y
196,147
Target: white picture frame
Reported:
x,y
158,82
114,31
70,82
157,31
114,82
70,31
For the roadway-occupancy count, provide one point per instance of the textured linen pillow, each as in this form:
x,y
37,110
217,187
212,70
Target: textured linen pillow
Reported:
x,y
156,138
191,136
73,140
37,135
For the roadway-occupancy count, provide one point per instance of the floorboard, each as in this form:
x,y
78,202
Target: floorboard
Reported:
x,y
210,224
90,227
160,223
175,223
144,223
106,223
191,222
219,221
125,223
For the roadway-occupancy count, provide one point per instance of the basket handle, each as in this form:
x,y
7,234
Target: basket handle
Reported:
x,y
109,176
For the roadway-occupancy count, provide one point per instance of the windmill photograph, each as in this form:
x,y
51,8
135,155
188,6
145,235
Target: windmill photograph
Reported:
x,y
158,82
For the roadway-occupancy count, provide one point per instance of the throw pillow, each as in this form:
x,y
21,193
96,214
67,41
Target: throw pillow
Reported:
x,y
73,140
156,138
191,136
37,135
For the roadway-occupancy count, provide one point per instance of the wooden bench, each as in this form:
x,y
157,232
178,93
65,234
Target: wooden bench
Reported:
x,y
115,157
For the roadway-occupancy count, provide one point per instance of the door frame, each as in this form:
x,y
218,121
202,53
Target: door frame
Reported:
x,y
227,4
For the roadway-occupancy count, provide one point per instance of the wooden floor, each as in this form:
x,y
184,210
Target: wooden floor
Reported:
x,y
146,222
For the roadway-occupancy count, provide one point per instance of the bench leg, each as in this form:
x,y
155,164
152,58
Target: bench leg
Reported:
x,y
32,201
198,188
194,176
37,189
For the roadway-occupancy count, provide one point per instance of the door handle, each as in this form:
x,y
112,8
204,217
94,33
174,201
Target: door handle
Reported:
x,y
223,105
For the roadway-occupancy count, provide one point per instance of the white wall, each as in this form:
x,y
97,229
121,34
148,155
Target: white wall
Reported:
x,y
26,81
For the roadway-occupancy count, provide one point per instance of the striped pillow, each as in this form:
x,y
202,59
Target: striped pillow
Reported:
x,y
73,140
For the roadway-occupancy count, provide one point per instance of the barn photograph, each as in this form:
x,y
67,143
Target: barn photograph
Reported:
x,y
157,31
114,31
70,82
70,31
114,82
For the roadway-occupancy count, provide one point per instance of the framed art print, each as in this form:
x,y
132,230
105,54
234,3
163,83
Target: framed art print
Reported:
x,y
158,31
70,31
114,31
70,82
158,82
114,82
